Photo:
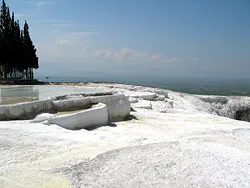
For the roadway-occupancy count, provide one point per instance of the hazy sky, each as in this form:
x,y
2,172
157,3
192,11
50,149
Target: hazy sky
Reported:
x,y
182,38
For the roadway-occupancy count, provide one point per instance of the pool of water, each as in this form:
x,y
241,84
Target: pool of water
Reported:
x,y
15,94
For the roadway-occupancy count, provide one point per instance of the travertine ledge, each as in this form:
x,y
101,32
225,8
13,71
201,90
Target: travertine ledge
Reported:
x,y
118,107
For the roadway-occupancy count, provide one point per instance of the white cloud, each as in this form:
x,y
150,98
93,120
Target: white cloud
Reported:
x,y
41,3
85,33
80,51
120,54
52,21
64,43
156,57
65,23
70,47
128,54
196,58
171,59
61,25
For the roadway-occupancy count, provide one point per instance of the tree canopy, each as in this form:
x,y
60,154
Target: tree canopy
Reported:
x,y
17,52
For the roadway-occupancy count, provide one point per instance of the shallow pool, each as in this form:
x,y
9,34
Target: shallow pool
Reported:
x,y
15,94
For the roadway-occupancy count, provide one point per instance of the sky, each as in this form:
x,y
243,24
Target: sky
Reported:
x,y
174,38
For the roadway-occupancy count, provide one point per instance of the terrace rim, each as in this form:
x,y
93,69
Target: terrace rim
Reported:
x,y
21,82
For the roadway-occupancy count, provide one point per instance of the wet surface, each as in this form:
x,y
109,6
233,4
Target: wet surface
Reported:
x,y
16,94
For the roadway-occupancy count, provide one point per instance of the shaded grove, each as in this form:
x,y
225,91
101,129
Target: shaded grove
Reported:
x,y
17,53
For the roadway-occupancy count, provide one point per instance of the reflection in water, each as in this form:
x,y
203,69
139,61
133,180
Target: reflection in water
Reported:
x,y
13,95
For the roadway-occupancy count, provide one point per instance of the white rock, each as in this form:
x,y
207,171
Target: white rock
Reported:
x,y
118,106
143,95
184,147
72,104
25,110
97,115
160,98
143,104
133,100
43,117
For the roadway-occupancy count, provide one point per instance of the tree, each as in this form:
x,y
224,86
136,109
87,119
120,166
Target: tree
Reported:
x,y
31,59
17,52
5,22
19,60
3,33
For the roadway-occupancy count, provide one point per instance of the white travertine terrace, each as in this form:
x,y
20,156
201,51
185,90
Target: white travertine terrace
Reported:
x,y
174,140
97,115
26,110
118,107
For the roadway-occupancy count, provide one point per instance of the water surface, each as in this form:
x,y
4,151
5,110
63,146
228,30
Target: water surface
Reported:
x,y
15,94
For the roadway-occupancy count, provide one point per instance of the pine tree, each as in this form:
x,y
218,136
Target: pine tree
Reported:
x,y
3,14
1,43
12,57
21,67
5,30
30,52
17,52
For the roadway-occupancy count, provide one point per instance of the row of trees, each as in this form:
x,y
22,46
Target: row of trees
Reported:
x,y
17,52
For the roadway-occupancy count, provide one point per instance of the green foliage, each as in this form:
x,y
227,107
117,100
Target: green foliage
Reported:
x,y
17,52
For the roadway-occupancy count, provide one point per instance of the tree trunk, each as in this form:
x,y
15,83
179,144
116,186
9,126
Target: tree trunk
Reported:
x,y
32,74
26,73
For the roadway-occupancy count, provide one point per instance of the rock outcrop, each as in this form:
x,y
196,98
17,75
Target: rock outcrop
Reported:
x,y
97,115
26,110
118,107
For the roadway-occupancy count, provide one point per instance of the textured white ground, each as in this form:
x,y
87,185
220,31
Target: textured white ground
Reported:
x,y
173,141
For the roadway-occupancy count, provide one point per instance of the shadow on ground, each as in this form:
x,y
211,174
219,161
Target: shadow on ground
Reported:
x,y
98,126
92,128
131,117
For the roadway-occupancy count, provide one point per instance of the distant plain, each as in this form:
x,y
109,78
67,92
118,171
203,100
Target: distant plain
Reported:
x,y
209,86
